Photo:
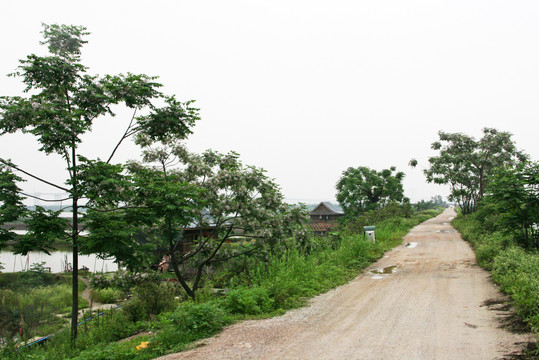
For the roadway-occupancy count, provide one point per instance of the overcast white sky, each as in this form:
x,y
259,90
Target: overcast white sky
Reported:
x,y
304,89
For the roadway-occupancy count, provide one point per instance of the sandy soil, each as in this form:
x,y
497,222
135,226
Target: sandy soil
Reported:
x,y
436,303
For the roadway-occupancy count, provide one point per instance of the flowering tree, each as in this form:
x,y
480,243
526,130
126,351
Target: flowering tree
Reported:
x,y
236,209
466,164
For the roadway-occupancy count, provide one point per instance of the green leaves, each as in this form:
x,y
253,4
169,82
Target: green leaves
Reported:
x,y
103,184
136,91
514,194
361,189
11,202
44,228
64,40
465,163
67,101
62,106
170,122
11,206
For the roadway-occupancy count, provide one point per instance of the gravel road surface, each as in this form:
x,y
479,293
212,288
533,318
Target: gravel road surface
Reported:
x,y
426,299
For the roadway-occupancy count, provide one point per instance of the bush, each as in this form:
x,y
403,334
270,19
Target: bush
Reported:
x,y
199,319
488,248
107,296
251,301
149,300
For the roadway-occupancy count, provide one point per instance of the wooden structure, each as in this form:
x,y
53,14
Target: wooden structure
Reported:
x,y
324,217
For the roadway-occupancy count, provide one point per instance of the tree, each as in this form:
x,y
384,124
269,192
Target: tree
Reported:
x,y
434,202
236,209
63,105
466,164
361,189
513,194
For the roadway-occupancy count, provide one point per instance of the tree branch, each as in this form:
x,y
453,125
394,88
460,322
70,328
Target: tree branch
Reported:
x,y
46,200
126,134
33,176
232,256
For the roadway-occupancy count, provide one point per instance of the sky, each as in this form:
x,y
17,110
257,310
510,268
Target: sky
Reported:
x,y
303,89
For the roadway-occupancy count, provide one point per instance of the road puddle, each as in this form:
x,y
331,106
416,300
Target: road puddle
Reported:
x,y
383,271
411,245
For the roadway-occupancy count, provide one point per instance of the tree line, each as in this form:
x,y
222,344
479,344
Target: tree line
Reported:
x,y
489,175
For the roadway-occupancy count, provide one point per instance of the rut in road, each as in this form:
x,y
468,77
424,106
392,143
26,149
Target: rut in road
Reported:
x,y
425,299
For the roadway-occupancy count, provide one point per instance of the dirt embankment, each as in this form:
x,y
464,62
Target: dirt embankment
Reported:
x,y
426,299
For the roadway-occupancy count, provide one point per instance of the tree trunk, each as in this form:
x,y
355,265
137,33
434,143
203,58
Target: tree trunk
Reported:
x,y
190,292
75,236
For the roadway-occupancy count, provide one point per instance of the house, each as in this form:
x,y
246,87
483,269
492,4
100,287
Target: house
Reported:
x,y
324,217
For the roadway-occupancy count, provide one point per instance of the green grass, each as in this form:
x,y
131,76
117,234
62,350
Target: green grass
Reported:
x,y
515,269
260,287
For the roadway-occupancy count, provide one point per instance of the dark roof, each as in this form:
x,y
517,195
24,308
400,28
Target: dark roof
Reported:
x,y
327,208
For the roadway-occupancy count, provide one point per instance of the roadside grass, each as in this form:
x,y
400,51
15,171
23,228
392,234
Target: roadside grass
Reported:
x,y
515,269
151,324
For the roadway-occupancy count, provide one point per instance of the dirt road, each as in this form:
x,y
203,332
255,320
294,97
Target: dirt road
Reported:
x,y
424,300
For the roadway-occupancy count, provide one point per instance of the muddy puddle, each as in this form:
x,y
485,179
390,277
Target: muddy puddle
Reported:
x,y
379,273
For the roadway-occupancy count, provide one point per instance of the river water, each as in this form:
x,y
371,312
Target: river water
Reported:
x,y
58,261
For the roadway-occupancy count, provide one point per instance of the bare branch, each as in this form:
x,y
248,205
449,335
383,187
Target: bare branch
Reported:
x,y
126,134
46,200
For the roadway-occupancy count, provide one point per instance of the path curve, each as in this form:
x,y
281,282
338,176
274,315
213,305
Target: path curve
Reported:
x,y
436,304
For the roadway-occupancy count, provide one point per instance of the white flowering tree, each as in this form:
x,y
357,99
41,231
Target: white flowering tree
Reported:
x,y
237,210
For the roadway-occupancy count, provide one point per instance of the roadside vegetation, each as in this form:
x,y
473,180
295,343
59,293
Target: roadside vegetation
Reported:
x,y
497,189
159,317
504,234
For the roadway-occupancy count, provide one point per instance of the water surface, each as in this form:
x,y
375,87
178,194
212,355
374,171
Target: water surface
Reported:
x,y
57,261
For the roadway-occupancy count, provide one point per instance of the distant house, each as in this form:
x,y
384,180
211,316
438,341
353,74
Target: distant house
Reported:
x,y
324,217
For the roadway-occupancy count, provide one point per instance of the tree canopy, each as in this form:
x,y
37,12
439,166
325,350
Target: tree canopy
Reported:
x,y
62,104
361,189
193,209
466,163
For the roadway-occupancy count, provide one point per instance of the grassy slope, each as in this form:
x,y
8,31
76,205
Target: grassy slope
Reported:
x,y
513,268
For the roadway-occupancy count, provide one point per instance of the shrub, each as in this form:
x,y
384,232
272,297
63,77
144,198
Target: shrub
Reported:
x,y
107,296
251,301
199,319
149,300
488,248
